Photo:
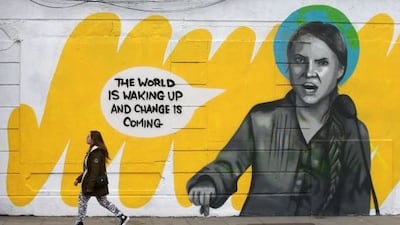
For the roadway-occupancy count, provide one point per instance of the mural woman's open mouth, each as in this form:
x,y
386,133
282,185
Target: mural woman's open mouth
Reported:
x,y
310,88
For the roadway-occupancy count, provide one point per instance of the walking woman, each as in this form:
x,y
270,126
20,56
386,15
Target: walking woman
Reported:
x,y
94,166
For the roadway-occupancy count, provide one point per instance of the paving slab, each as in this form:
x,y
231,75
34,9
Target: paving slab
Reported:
x,y
347,220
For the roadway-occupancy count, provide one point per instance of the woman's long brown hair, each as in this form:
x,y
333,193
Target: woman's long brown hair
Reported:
x,y
97,139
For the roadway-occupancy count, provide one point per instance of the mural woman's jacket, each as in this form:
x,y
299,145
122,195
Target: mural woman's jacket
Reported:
x,y
327,176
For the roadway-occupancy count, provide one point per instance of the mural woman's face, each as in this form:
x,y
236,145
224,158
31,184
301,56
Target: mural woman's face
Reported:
x,y
313,70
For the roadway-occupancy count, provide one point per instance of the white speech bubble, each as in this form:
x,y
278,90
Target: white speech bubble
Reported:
x,y
150,102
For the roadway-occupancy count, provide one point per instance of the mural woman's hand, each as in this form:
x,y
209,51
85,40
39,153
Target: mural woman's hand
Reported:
x,y
202,193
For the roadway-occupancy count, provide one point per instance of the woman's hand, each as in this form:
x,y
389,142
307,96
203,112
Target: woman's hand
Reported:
x,y
202,193
76,182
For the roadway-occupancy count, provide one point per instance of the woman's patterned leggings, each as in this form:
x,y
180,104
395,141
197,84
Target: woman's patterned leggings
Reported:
x,y
103,201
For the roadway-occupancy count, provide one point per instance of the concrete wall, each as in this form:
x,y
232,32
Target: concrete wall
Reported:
x,y
66,65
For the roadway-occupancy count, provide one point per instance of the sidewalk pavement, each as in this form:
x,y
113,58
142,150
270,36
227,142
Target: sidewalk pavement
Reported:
x,y
348,220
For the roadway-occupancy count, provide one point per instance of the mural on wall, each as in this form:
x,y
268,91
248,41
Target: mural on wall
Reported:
x,y
309,152
285,128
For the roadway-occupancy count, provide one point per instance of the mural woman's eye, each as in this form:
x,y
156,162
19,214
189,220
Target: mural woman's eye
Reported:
x,y
322,62
299,59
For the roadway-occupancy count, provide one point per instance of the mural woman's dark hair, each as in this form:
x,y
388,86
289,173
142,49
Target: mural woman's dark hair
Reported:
x,y
326,32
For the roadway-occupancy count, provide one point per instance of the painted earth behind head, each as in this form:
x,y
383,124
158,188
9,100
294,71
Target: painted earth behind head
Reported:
x,y
321,13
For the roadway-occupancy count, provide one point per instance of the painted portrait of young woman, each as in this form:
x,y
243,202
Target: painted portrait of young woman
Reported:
x,y
309,152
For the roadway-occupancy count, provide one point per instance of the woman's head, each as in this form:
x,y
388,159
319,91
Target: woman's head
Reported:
x,y
95,138
317,56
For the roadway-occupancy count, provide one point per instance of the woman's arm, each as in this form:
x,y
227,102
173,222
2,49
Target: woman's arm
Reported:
x,y
218,180
94,166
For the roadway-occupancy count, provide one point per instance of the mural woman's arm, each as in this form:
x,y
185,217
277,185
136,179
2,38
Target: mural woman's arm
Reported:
x,y
222,174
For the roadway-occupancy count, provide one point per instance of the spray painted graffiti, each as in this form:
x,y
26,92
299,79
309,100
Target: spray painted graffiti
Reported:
x,y
149,102
174,110
308,151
